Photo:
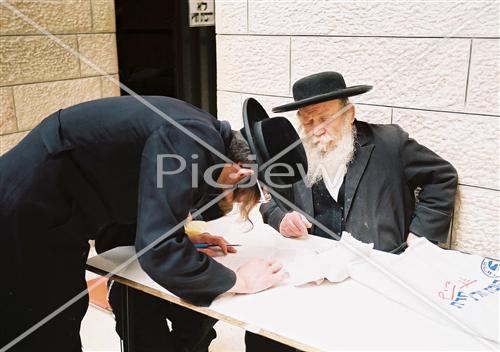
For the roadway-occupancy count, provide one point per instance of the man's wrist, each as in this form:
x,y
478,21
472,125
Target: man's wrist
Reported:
x,y
239,285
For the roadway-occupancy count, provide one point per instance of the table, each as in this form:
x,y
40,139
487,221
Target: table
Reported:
x,y
327,317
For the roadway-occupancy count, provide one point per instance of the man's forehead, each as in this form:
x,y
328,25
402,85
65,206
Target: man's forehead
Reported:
x,y
310,111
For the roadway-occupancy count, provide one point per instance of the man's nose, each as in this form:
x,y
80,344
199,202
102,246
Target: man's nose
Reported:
x,y
319,131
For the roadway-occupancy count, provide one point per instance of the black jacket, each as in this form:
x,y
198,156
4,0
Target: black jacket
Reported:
x,y
112,146
380,184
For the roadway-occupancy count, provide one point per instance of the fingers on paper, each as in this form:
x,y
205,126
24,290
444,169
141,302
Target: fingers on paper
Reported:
x,y
217,241
230,249
297,225
211,252
278,273
275,266
305,221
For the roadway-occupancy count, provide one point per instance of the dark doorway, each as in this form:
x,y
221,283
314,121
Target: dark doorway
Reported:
x,y
159,54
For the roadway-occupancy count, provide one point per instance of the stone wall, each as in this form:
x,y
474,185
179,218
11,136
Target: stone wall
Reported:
x,y
434,67
38,76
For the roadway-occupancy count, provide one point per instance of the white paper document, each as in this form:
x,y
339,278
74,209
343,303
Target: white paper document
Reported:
x,y
451,288
246,253
306,265
447,286
331,264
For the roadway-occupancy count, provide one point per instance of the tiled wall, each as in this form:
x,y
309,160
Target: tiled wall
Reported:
x,y
38,76
434,67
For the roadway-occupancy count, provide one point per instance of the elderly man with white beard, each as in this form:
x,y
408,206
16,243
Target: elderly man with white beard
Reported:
x,y
362,178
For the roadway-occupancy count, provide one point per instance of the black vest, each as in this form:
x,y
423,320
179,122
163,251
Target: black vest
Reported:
x,y
328,211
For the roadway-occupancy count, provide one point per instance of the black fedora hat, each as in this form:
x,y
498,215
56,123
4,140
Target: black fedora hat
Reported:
x,y
268,137
319,88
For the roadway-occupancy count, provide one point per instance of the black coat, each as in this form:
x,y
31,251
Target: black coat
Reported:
x,y
108,174
380,186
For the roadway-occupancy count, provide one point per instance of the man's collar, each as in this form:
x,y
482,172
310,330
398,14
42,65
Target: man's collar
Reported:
x,y
363,135
225,132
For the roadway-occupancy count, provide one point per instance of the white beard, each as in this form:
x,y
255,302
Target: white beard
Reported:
x,y
327,162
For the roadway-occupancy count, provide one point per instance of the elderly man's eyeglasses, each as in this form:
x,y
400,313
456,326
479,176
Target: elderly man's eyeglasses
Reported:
x,y
265,197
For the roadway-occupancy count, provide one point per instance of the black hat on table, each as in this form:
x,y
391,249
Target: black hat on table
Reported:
x,y
318,88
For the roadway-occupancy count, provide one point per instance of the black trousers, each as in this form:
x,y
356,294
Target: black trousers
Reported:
x,y
44,242
191,331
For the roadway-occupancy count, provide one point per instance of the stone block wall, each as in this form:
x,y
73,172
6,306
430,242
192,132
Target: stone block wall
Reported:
x,y
434,66
37,75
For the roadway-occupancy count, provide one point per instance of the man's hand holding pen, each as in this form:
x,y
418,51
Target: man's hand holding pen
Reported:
x,y
212,245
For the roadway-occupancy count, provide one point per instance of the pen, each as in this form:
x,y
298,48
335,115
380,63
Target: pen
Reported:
x,y
207,245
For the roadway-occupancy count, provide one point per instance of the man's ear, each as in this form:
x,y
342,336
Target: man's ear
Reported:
x,y
240,173
353,113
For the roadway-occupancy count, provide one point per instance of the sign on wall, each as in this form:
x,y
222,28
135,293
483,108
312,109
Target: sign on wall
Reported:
x,y
201,13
